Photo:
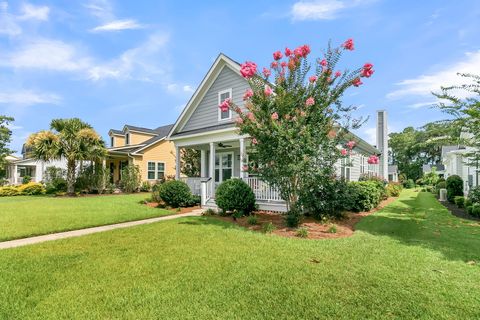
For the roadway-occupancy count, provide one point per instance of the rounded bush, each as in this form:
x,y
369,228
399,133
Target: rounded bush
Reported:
x,y
459,201
470,210
476,210
235,195
394,189
474,194
9,191
31,188
175,193
409,184
365,195
454,187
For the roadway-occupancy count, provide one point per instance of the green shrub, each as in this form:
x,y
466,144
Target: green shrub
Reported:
x,y
302,232
409,184
175,193
468,202
268,228
235,195
9,191
145,186
459,201
332,229
31,188
476,210
470,210
292,219
474,194
26,179
209,212
454,187
131,178
365,195
394,189
252,220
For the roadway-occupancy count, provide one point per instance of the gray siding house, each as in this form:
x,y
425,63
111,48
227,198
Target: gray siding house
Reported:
x,y
202,126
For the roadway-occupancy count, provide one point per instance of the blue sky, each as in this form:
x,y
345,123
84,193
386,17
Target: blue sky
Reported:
x,y
112,62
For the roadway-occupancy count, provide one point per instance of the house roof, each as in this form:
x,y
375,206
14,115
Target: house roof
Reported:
x,y
158,134
114,131
206,129
447,149
392,168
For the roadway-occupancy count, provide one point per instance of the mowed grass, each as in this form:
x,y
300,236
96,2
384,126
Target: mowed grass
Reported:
x,y
29,216
410,260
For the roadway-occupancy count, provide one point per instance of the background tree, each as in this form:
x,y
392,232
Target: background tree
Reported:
x,y
72,139
5,139
190,162
298,122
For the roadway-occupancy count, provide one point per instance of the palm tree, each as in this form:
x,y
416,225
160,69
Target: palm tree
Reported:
x,y
72,139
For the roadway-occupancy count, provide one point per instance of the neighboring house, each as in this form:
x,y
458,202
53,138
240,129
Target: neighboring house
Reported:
x,y
202,126
18,168
457,162
393,173
439,168
144,147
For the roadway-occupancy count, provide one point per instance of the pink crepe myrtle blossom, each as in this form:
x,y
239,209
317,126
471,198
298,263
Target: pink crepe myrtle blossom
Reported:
x,y
312,79
344,152
254,141
248,94
305,50
310,102
225,105
274,116
277,55
288,52
268,91
373,159
323,63
367,70
332,134
348,45
302,51
266,72
248,69
239,120
283,64
274,65
250,116
351,144
357,82
338,74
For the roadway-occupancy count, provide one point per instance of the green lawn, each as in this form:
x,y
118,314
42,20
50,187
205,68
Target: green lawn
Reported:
x,y
28,216
409,260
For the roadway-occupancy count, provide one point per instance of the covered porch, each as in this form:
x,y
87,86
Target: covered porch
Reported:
x,y
222,159
17,171
115,162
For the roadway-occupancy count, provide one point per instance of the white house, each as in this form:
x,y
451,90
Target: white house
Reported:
x,y
203,126
18,168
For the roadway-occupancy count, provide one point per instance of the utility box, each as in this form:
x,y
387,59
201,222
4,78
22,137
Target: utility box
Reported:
x,y
443,194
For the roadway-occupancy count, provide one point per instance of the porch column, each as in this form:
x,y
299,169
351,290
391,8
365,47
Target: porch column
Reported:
x,y
203,163
177,162
212,160
242,157
15,174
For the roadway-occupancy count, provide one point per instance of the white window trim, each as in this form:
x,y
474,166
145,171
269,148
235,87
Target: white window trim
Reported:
x,y
219,111
155,171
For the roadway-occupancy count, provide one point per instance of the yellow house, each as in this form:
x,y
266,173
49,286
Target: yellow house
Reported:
x,y
147,148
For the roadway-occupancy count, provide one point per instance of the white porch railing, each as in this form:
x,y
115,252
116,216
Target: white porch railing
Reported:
x,y
262,190
194,183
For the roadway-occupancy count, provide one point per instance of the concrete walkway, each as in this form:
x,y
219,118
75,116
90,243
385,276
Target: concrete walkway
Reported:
x,y
82,232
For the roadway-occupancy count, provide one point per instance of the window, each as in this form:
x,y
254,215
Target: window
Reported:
x,y
127,138
160,170
345,168
222,95
155,170
112,140
151,170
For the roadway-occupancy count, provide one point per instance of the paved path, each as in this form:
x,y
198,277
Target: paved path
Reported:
x,y
81,232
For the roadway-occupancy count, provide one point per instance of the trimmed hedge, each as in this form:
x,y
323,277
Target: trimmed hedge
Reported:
x,y
459,201
364,195
175,193
454,187
28,189
234,195
394,189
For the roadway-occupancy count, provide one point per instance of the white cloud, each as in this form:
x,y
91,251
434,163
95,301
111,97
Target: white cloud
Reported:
x,y
138,63
370,135
46,54
118,25
8,26
28,98
30,11
424,85
172,87
323,9
188,89
421,104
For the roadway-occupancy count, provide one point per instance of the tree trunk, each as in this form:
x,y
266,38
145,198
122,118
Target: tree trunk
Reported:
x,y
71,166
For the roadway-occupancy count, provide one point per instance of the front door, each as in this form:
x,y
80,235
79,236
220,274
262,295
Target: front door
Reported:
x,y
223,166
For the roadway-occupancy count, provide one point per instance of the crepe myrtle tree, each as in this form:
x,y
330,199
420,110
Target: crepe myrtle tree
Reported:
x,y
296,119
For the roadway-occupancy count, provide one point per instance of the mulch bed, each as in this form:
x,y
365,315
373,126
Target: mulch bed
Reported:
x,y
173,210
458,212
316,229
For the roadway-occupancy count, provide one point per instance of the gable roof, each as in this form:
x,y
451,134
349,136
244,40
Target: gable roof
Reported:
x,y
221,61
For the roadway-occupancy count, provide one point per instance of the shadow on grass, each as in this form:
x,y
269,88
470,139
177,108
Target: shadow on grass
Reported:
x,y
422,221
